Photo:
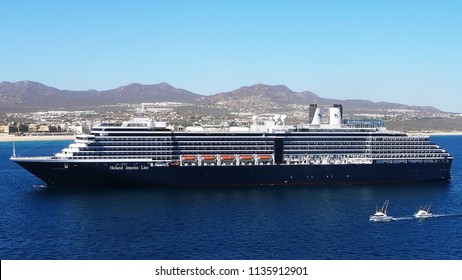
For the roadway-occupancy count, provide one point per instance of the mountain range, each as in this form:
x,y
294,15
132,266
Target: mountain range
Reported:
x,y
26,96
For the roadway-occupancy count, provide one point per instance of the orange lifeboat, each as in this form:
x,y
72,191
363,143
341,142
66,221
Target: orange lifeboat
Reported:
x,y
174,163
189,158
209,158
246,157
264,157
227,157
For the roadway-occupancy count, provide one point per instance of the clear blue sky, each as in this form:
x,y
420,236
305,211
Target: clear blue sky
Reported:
x,y
406,51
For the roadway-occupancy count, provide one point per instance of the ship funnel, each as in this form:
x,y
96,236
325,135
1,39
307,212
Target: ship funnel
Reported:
x,y
317,117
311,111
335,114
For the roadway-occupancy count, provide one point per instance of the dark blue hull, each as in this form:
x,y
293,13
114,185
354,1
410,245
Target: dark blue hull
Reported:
x,y
57,173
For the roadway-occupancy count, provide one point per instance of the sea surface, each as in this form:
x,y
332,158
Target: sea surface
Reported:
x,y
315,222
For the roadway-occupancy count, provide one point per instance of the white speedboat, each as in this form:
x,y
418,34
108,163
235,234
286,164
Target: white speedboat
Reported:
x,y
381,214
424,212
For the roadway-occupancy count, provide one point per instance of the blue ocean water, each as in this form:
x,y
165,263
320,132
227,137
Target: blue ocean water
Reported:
x,y
321,222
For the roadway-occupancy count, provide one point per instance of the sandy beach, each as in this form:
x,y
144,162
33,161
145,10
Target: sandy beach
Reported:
x,y
455,133
13,138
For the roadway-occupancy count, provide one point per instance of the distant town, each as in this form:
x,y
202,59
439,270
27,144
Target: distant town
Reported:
x,y
179,115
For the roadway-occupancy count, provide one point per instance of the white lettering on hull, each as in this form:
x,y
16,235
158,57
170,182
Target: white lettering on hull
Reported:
x,y
124,167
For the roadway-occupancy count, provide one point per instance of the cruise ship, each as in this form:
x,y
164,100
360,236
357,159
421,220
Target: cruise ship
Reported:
x,y
267,152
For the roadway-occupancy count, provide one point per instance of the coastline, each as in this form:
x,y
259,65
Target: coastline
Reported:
x,y
455,133
434,133
13,138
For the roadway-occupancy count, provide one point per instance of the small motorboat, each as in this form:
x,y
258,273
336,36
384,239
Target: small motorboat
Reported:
x,y
381,214
424,212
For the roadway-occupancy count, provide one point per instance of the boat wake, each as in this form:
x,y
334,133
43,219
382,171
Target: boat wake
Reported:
x,y
407,218
447,215
403,218
424,213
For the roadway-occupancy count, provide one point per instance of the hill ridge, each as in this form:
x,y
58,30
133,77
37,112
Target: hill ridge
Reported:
x,y
28,95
